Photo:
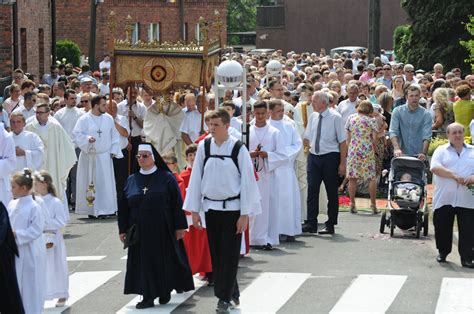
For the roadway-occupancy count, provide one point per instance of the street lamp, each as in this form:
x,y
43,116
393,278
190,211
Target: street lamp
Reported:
x,y
273,68
92,34
231,75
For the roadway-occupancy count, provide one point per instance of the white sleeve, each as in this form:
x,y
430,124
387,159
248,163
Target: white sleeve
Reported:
x,y
249,192
81,138
59,219
34,229
193,200
8,158
35,155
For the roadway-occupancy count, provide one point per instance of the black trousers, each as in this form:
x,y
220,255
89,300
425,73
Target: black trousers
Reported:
x,y
71,181
443,220
224,245
121,173
323,168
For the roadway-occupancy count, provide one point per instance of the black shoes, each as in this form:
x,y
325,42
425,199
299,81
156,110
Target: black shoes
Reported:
x,y
467,264
290,238
223,307
145,304
234,303
309,228
164,300
441,258
267,247
327,230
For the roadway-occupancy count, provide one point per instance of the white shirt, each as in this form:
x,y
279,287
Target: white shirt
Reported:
x,y
104,65
332,132
104,89
123,122
220,180
447,191
191,124
346,108
138,109
26,113
68,117
238,102
236,123
33,146
471,127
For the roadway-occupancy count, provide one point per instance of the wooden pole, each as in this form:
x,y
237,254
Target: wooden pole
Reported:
x,y
129,100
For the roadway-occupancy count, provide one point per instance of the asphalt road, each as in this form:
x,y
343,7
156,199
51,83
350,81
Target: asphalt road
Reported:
x,y
357,270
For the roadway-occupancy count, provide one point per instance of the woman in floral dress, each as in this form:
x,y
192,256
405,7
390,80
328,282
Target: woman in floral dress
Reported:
x,y
361,136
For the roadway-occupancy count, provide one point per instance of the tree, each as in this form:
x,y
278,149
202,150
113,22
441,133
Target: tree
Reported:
x,y
436,29
469,45
401,38
241,15
69,50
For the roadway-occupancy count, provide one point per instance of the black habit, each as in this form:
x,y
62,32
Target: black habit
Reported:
x,y
158,264
10,298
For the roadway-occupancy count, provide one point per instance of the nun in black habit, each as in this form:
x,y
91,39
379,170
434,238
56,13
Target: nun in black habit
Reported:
x,y
152,224
10,297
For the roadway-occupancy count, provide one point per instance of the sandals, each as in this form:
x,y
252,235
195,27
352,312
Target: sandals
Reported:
x,y
375,210
353,209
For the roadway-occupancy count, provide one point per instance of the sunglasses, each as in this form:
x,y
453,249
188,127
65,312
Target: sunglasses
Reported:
x,y
84,101
144,156
41,112
409,71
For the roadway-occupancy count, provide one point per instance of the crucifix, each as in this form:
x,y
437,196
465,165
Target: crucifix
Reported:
x,y
99,132
144,190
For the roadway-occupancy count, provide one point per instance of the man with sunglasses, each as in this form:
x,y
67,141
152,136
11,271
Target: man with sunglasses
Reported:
x,y
27,108
409,71
18,76
386,79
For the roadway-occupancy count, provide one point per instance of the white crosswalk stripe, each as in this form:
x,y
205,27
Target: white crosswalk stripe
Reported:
x,y
176,300
269,292
456,296
85,258
369,294
80,285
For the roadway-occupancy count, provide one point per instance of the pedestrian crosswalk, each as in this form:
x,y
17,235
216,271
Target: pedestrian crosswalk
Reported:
x,y
268,292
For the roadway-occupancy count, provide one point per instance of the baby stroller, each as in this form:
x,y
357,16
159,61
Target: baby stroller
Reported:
x,y
406,197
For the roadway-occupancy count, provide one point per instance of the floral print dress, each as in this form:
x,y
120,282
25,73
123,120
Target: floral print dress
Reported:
x,y
361,154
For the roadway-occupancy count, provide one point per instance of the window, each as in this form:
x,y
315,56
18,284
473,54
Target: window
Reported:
x,y
41,51
197,34
154,32
136,33
185,32
23,50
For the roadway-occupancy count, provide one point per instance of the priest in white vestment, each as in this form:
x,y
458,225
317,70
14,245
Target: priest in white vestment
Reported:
x,y
265,141
59,155
7,164
99,141
286,190
28,146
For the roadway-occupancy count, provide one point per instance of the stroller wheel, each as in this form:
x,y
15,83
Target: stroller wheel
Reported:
x,y
383,222
426,222
392,227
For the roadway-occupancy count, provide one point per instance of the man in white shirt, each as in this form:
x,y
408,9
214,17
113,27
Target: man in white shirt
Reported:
x,y
453,165
28,146
68,117
409,71
105,64
347,107
136,116
86,88
326,138
227,191
191,125
27,108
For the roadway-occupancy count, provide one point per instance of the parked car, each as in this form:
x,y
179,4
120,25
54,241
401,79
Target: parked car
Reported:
x,y
348,49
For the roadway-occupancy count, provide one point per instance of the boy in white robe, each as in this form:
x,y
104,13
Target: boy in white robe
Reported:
x,y
264,143
27,223
28,146
99,141
286,191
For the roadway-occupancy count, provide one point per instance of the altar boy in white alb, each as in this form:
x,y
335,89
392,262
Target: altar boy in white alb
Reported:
x,y
96,136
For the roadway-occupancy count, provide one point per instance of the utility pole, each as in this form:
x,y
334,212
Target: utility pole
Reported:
x,y
92,34
374,29
53,31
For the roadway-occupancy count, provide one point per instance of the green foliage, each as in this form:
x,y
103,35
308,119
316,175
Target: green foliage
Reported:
x,y
401,38
436,29
69,50
469,44
242,15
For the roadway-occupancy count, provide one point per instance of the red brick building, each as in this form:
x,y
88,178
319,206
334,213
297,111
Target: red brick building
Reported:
x,y
33,44
153,19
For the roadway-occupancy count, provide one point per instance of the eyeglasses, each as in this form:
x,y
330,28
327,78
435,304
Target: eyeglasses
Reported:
x,y
17,77
387,69
144,156
84,101
41,112
409,71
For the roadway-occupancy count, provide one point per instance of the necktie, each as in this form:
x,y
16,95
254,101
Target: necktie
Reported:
x,y
318,135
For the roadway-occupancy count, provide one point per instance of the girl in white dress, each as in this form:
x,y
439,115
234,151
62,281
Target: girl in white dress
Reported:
x,y
57,274
27,223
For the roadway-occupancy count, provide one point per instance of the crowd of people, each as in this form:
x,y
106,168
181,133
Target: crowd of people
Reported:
x,y
198,198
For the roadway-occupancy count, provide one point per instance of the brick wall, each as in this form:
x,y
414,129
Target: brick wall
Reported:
x,y
34,15
6,49
73,19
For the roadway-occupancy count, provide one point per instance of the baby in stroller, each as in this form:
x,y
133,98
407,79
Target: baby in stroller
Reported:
x,y
408,191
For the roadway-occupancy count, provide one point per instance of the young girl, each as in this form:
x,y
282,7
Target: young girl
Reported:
x,y
27,224
57,274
